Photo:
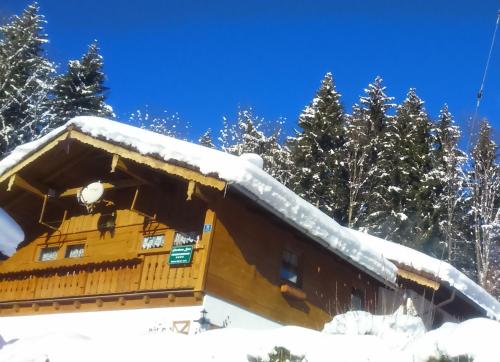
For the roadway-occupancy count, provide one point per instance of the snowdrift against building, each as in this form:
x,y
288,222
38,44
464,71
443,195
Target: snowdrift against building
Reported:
x,y
235,345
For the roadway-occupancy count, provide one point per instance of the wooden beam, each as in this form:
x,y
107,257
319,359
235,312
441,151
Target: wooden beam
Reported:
x,y
107,186
118,163
18,181
190,190
114,162
206,242
419,279
293,292
154,163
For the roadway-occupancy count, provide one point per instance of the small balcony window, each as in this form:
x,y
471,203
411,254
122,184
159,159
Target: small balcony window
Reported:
x,y
289,271
153,241
47,254
74,251
185,238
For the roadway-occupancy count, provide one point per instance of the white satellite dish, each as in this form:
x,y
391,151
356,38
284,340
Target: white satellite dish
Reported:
x,y
91,194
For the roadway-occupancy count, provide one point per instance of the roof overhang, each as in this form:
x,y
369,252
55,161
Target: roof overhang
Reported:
x,y
73,134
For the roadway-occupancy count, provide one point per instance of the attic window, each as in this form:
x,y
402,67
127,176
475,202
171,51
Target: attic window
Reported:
x,y
74,251
153,241
289,271
47,254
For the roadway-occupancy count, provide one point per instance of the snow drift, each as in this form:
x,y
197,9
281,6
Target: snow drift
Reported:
x,y
477,338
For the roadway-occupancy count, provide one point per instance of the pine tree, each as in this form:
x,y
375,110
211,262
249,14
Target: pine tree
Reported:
x,y
401,207
484,184
81,91
450,206
363,136
206,139
320,174
251,134
25,80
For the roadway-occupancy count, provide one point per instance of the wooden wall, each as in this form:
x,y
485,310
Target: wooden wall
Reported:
x,y
245,262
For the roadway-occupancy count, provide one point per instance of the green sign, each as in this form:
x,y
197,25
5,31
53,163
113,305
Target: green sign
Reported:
x,y
180,255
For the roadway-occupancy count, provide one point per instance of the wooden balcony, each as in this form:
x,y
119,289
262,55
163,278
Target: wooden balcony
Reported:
x,y
149,272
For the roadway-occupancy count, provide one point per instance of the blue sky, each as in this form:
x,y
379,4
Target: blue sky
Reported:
x,y
203,59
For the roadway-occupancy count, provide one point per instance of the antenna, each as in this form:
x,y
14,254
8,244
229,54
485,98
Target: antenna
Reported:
x,y
481,88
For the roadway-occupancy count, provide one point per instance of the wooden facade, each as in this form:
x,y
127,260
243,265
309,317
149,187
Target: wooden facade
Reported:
x,y
100,259
246,257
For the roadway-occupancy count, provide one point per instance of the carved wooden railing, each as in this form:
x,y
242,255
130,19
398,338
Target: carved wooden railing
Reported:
x,y
149,271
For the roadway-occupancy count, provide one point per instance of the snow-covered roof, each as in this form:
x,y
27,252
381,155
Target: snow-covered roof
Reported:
x,y
441,270
237,172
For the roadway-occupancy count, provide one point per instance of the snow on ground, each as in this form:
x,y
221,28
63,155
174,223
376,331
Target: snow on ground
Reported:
x,y
238,172
443,271
11,234
397,330
477,338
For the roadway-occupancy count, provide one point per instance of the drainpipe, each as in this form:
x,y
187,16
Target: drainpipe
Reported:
x,y
447,301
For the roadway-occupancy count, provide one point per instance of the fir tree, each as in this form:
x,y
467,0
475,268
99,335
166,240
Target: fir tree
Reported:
x,y
450,205
81,91
484,183
401,208
206,139
363,137
320,174
25,80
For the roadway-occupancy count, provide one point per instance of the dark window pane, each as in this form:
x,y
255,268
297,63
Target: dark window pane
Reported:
x,y
47,254
74,251
154,241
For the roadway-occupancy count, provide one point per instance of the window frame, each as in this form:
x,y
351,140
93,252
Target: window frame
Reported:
x,y
74,244
153,235
294,267
194,243
47,247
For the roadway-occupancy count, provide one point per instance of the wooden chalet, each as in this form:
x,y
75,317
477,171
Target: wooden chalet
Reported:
x,y
162,232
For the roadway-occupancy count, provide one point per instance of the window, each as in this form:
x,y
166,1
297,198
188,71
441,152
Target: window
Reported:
x,y
74,251
153,241
185,238
289,271
357,299
49,253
